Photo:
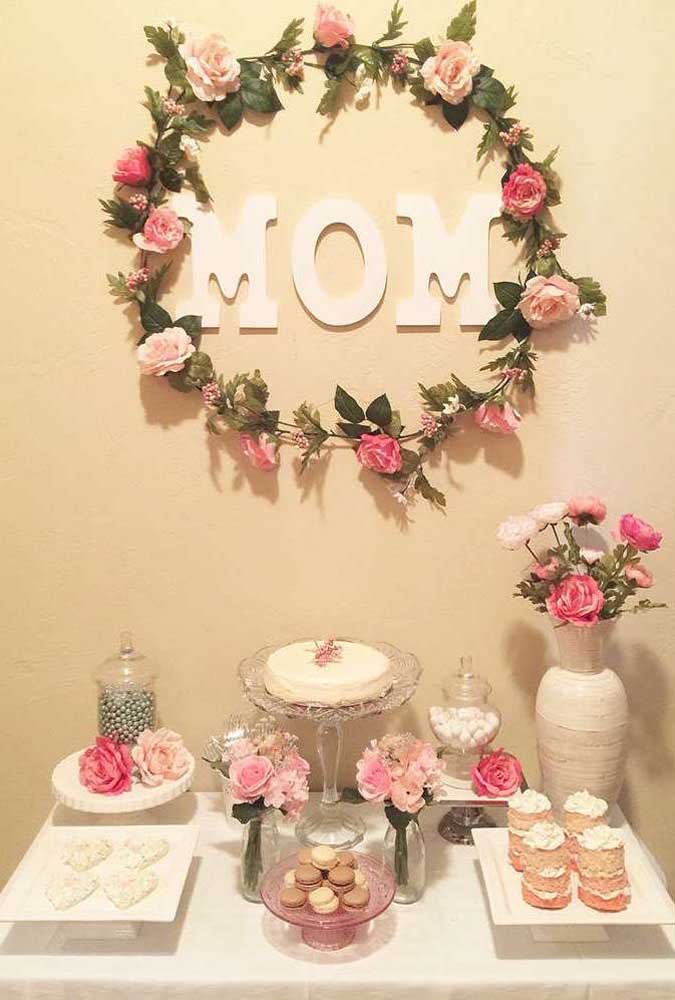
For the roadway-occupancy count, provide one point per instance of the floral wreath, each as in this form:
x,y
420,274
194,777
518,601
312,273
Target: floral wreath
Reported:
x,y
204,75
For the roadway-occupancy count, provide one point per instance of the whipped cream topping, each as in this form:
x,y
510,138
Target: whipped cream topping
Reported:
x,y
529,801
585,804
552,872
614,894
545,836
542,893
600,838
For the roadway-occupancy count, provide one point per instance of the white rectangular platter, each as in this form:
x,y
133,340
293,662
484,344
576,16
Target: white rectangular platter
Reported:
x,y
650,903
24,895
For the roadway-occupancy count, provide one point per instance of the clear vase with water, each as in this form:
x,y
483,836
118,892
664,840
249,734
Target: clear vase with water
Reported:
x,y
259,851
404,853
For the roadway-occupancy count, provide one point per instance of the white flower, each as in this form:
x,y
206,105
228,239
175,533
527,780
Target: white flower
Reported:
x,y
586,310
516,530
364,84
549,513
591,556
170,22
189,146
453,405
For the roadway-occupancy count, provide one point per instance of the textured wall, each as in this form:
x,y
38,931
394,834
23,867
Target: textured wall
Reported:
x,y
120,511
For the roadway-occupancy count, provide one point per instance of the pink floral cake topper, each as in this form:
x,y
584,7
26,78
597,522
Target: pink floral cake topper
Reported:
x,y
327,652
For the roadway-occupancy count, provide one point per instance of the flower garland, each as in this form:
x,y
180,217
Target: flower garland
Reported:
x,y
204,75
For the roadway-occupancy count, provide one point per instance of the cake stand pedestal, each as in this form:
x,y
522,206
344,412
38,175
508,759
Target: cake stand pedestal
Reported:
x,y
331,824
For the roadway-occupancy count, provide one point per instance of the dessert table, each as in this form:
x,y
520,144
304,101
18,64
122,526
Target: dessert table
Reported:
x,y
223,947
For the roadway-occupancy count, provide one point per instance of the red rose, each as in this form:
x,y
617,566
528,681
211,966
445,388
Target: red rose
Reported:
x,y
106,767
133,167
497,775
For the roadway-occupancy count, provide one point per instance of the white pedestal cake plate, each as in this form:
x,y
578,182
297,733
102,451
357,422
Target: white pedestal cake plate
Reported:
x,y
330,824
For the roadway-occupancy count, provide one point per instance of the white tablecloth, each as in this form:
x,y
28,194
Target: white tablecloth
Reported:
x,y
222,947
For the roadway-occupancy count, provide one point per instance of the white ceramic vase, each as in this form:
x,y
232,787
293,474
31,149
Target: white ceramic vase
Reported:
x,y
582,719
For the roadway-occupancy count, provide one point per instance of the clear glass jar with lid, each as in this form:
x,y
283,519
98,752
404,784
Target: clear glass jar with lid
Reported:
x,y
126,693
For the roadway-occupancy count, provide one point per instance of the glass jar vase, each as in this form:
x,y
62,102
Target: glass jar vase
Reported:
x,y
259,851
405,854
126,695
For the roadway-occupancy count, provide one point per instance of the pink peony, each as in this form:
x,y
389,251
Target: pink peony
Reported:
x,y
261,453
639,575
332,27
212,70
450,72
162,231
497,775
638,533
106,767
548,300
501,418
373,776
133,167
577,599
406,792
160,755
380,453
586,510
164,352
524,193
516,531
249,777
545,571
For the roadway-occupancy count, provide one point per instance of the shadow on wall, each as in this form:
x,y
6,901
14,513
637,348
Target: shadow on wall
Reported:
x,y
527,656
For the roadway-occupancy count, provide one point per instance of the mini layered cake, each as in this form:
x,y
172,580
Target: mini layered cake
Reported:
x,y
525,809
582,812
603,882
546,873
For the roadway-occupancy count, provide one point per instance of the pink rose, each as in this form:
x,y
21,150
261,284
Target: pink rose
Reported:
x,y
262,454
164,352
586,510
639,575
451,71
524,193
638,533
380,453
501,418
332,27
548,300
545,571
212,70
249,777
106,767
160,755
373,776
577,599
162,231
407,792
133,167
497,775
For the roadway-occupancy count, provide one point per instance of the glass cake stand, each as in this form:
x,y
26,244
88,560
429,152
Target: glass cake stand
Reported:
x,y
330,823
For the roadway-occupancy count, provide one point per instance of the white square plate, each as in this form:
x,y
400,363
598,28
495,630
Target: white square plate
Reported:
x,y
650,902
24,895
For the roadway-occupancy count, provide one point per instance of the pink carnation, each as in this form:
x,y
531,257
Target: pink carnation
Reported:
x,y
638,533
164,352
497,775
162,231
577,599
524,193
159,756
373,776
501,418
261,453
548,300
380,453
332,27
133,167
249,777
106,767
586,510
639,575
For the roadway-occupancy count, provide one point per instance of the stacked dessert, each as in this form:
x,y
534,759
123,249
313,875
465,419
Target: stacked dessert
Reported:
x,y
546,871
583,811
525,810
603,882
326,879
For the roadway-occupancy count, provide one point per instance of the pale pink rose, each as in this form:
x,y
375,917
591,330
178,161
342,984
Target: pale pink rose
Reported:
x,y
450,72
380,453
638,533
524,193
212,70
639,575
586,510
159,756
106,767
548,300
516,530
133,167
577,599
500,418
407,793
497,775
373,777
162,231
164,352
249,777
332,27
262,454
545,571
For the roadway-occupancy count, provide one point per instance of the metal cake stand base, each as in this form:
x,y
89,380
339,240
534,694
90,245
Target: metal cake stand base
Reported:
x,y
457,823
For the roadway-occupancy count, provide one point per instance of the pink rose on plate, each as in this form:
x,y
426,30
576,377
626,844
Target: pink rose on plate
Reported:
x,y
545,571
373,776
500,418
524,193
164,352
160,756
162,231
638,533
261,453
249,777
407,792
133,167
212,70
380,453
639,575
548,300
577,599
332,27
106,767
498,775
451,71
586,510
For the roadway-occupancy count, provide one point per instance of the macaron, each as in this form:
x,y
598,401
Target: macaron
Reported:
x,y
307,877
341,878
324,858
346,858
323,900
305,856
289,877
360,879
292,898
356,899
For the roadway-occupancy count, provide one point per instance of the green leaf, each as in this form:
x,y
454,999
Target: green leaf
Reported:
x,y
507,323
259,95
230,110
121,214
347,406
154,105
191,324
591,292
379,411
171,179
161,41
395,25
169,149
411,461
174,71
545,266
196,182
394,427
424,49
508,293
455,114
488,139
154,319
244,812
351,795
354,430
329,102
424,487
489,94
291,35
193,124
420,93
462,28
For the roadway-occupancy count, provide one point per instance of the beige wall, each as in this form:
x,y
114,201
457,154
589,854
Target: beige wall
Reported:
x,y
120,511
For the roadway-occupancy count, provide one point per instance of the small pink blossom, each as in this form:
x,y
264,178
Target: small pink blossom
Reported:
x,y
327,652
162,232
160,756
164,352
586,510
133,167
524,193
249,777
546,571
331,27
380,453
577,599
373,776
500,418
639,575
638,533
261,453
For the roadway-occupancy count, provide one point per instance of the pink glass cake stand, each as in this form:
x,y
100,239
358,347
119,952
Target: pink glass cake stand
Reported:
x,y
335,930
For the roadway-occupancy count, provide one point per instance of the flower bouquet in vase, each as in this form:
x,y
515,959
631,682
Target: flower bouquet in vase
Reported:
x,y
582,710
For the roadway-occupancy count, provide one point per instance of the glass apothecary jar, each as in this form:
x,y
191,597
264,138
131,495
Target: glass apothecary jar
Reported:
x,y
126,693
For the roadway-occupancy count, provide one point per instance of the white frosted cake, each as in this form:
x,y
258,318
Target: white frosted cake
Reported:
x,y
327,672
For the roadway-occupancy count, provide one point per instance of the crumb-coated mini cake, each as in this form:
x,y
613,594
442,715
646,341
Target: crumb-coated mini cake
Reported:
x,y
582,811
356,899
546,873
603,882
292,898
323,900
525,809
307,877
